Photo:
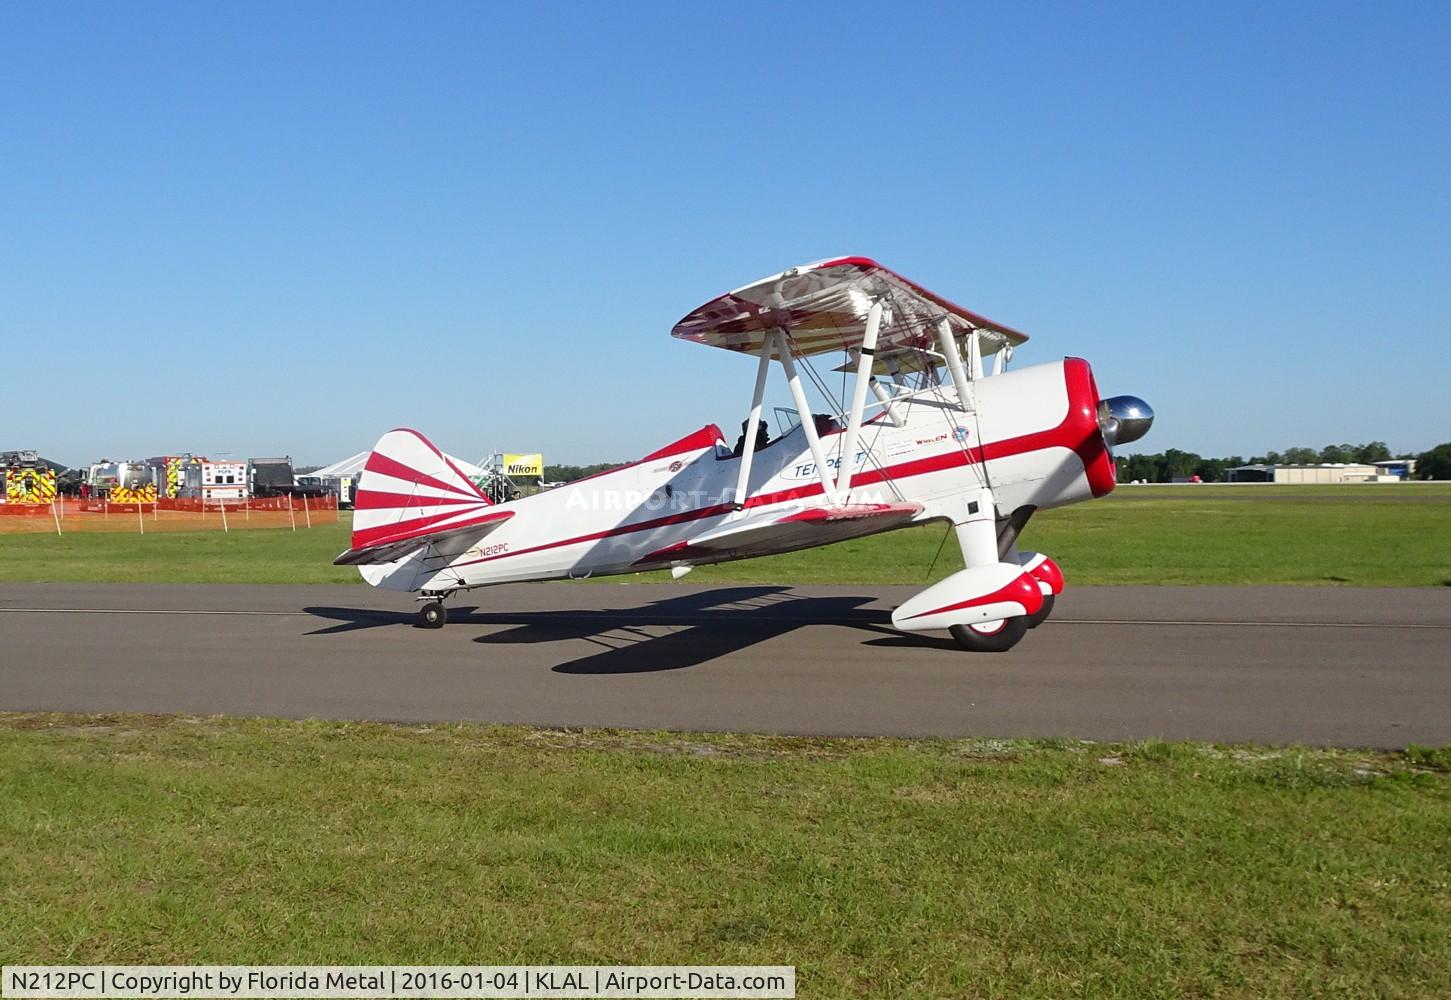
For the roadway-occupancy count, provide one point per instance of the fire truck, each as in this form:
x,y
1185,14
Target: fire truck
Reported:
x,y
27,479
116,482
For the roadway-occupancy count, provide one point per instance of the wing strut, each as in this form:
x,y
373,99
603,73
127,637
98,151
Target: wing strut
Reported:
x,y
808,424
865,360
974,356
885,398
748,452
1001,359
948,347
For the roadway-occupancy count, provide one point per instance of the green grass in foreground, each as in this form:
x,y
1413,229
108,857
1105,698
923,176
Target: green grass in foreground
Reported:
x,y
877,867
1392,535
258,555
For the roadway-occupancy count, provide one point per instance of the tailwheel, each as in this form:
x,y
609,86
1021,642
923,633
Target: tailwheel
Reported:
x,y
991,637
1041,615
432,615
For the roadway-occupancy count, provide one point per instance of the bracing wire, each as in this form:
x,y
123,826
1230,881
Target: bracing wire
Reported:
x,y
838,405
940,546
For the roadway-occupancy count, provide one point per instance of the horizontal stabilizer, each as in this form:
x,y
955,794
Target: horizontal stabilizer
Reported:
x,y
759,534
448,540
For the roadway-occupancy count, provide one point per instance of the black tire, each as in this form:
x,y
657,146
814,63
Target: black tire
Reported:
x,y
432,615
1041,615
1000,641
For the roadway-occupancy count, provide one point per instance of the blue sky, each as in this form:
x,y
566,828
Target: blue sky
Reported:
x,y
259,229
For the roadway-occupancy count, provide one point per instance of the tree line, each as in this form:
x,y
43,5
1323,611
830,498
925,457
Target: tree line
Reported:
x,y
1166,466
569,473
1171,464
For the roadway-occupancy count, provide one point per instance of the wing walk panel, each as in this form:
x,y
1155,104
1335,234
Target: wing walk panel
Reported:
x,y
773,531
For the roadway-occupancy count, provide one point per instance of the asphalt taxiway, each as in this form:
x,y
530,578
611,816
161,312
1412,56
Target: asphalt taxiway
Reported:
x,y
1323,666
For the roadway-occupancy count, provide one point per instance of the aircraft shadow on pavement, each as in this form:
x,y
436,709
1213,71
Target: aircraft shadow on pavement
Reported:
x,y
355,619
683,630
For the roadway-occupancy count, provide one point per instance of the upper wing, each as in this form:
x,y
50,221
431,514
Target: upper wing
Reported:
x,y
823,307
773,531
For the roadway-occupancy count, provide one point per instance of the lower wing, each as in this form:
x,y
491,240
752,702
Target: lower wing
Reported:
x,y
765,533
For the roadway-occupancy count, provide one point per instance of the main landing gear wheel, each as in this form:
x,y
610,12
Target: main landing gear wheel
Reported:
x,y
992,637
1041,615
432,615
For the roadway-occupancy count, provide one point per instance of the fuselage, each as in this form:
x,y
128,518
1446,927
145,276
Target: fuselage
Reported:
x,y
1031,434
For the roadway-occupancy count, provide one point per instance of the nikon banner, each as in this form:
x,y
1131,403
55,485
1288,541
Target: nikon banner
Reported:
x,y
524,465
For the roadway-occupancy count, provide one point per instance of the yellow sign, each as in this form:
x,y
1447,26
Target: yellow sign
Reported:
x,y
524,465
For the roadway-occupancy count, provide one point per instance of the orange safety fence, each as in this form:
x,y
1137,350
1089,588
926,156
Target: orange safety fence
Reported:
x,y
70,514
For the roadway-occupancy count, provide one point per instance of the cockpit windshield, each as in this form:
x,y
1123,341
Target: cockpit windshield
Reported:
x,y
787,420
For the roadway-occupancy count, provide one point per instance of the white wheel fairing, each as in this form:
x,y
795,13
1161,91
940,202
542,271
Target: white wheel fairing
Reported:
x,y
980,595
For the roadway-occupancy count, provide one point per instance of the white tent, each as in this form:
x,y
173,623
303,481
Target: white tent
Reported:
x,y
352,467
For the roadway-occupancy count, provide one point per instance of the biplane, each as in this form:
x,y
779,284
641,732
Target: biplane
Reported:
x,y
936,428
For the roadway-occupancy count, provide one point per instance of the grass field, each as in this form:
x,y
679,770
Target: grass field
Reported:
x,y
879,868
1396,535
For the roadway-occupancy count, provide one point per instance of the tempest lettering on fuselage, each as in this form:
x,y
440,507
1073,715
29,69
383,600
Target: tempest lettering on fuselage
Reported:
x,y
807,470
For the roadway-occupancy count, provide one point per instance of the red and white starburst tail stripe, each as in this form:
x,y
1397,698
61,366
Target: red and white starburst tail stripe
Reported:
x,y
411,491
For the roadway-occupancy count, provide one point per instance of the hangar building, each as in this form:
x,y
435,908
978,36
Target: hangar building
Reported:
x,y
1322,473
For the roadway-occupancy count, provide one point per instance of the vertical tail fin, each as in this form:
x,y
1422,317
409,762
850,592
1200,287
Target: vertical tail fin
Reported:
x,y
408,489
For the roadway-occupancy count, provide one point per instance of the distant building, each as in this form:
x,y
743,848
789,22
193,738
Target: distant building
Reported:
x,y
1404,468
1321,473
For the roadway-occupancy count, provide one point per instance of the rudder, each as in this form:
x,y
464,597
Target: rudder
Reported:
x,y
409,487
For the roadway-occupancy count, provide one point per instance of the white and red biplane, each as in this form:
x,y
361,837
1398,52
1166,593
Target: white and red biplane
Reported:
x,y
941,438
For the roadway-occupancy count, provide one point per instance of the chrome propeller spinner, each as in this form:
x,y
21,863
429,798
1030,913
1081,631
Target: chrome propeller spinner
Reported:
x,y
1122,419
